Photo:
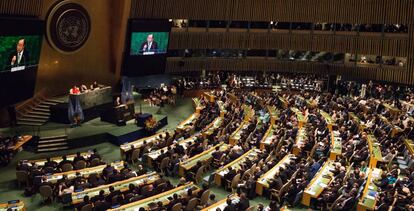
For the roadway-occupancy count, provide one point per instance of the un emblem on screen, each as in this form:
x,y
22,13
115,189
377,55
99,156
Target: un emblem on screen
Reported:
x,y
68,26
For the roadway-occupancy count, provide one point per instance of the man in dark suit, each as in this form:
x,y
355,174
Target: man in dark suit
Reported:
x,y
230,206
21,56
150,45
229,176
244,202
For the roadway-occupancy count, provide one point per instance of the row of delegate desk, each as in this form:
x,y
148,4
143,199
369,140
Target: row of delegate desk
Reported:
x,y
122,186
268,138
252,154
205,156
220,205
86,172
368,199
57,159
319,182
163,197
263,182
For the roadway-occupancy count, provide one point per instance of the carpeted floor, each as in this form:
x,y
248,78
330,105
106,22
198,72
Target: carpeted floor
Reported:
x,y
110,152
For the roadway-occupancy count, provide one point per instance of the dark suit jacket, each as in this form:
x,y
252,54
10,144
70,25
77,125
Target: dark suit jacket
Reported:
x,y
154,46
230,207
24,60
243,205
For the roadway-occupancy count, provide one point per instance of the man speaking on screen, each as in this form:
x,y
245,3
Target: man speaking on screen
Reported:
x,y
21,56
150,45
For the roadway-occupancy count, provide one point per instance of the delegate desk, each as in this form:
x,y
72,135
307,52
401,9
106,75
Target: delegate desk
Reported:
x,y
122,186
248,113
263,181
15,205
210,96
357,120
92,98
319,182
203,157
328,119
374,151
152,156
223,203
140,143
219,174
222,108
163,197
407,106
302,119
58,159
53,178
311,103
236,135
301,139
267,139
190,120
410,145
213,126
21,141
393,110
395,129
336,145
368,198
274,114
283,101
197,104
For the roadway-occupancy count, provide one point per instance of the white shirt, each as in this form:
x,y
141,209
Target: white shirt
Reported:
x,y
149,46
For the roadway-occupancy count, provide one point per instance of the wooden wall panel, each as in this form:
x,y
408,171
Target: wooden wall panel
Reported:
x,y
338,11
21,7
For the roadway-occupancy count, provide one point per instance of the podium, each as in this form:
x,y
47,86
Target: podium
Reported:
x,y
119,115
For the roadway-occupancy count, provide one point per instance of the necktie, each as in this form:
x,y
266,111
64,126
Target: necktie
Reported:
x,y
19,57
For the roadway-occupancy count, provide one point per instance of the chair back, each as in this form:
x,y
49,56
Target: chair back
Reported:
x,y
199,175
93,178
49,170
160,188
253,168
250,208
80,165
204,197
261,162
95,162
164,163
45,191
246,174
235,181
135,155
177,207
67,167
22,176
87,207
191,204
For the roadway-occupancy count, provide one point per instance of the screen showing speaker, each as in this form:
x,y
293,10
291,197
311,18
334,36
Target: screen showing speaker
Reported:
x,y
19,51
20,47
146,47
